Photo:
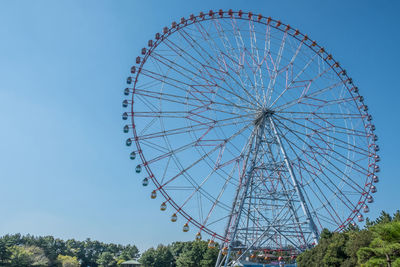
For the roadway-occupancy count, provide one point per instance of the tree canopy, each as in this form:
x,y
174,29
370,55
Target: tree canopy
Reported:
x,y
28,250
378,244
181,254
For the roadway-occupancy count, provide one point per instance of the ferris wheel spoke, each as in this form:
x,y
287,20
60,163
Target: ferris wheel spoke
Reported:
x,y
184,130
170,153
325,103
196,190
321,114
178,68
231,92
317,177
243,51
293,102
198,187
217,200
165,170
210,84
267,51
316,135
190,60
314,176
305,88
348,178
168,97
353,163
203,102
146,127
225,41
327,220
213,46
154,146
312,149
162,78
186,100
361,150
271,84
205,155
256,60
220,194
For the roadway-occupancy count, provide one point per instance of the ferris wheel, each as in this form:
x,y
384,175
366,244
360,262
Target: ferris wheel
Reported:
x,y
251,134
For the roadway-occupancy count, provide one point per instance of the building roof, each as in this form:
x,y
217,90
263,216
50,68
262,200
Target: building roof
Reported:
x,y
130,262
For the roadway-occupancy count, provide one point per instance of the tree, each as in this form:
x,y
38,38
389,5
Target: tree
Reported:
x,y
356,241
383,218
178,247
148,257
163,257
335,254
67,261
192,257
20,257
329,251
396,216
160,257
210,257
129,252
38,256
27,256
106,259
384,248
5,252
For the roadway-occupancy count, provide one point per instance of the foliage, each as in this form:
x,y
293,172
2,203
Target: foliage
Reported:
x,y
106,259
180,254
376,245
5,252
67,261
26,256
193,256
160,257
28,250
384,248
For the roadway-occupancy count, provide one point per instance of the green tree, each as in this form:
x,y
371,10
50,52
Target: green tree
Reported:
x,y
163,257
38,256
148,257
335,254
396,216
106,259
192,257
20,257
129,252
27,256
313,257
385,246
5,252
67,261
210,257
383,218
356,241
160,257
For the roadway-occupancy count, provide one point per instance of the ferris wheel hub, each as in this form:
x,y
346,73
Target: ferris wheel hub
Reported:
x,y
265,113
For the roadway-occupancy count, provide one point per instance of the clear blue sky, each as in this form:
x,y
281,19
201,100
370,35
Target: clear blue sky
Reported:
x,y
64,168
